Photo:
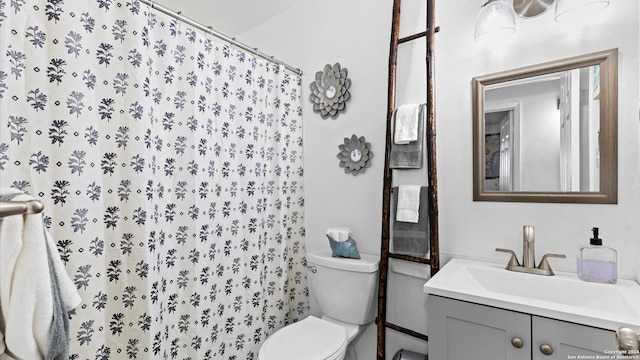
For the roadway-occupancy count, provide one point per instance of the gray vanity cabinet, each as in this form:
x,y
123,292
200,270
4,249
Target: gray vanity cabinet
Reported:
x,y
461,330
568,340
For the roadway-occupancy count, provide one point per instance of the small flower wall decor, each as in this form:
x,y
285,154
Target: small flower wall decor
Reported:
x,y
354,155
330,91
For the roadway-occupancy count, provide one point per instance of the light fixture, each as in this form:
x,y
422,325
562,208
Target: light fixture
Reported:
x,y
569,10
496,20
531,8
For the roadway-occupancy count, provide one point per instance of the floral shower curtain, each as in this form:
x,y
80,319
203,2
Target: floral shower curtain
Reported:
x,y
170,165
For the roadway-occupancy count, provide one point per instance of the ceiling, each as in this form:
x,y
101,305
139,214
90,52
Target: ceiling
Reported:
x,y
230,17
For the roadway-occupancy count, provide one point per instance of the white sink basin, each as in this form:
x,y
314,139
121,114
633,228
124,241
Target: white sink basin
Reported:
x,y
562,296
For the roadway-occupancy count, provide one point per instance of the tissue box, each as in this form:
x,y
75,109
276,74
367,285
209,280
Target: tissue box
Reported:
x,y
346,249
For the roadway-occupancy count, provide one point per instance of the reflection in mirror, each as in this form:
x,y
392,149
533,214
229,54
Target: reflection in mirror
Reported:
x,y
541,133
330,92
548,132
356,155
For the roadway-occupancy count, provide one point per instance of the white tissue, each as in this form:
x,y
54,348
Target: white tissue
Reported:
x,y
408,203
339,233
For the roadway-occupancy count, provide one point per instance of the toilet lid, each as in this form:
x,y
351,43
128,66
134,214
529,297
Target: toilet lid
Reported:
x,y
309,339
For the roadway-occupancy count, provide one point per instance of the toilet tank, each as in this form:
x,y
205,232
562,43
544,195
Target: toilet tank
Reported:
x,y
345,289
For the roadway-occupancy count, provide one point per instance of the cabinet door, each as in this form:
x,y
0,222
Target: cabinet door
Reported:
x,y
568,340
459,331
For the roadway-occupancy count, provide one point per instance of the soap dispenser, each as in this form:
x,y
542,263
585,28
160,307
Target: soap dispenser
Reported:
x,y
597,263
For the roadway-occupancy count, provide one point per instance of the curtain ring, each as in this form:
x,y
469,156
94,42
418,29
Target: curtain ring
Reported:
x,y
150,5
277,61
179,18
233,44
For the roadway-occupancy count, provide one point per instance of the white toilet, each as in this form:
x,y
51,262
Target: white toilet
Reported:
x,y
345,290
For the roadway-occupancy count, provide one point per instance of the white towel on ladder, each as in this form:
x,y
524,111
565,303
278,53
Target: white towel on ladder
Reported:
x,y
408,206
406,126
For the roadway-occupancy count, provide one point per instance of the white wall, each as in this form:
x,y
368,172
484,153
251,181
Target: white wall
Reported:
x,y
356,33
325,32
560,228
636,186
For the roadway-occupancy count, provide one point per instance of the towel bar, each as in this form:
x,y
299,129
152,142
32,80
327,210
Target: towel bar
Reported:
x,y
8,208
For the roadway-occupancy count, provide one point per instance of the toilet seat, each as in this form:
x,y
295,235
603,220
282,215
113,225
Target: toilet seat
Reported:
x,y
309,339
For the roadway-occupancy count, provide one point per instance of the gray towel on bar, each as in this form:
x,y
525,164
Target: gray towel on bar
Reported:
x,y
412,238
59,331
408,156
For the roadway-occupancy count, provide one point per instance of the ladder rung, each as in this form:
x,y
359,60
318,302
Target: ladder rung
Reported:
x,y
415,36
406,331
410,258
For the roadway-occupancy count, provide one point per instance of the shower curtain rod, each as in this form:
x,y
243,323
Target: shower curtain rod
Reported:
x,y
219,35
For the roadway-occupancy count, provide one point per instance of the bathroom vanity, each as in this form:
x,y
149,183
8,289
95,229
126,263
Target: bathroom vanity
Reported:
x,y
481,311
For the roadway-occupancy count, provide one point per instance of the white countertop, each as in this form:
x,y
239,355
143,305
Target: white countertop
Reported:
x,y
562,296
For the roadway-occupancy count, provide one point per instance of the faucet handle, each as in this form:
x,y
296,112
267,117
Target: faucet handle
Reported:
x,y
544,264
513,261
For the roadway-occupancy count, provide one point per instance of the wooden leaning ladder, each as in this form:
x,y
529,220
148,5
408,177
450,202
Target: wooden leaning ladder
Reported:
x,y
430,141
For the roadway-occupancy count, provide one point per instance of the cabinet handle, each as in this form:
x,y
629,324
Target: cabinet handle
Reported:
x,y
627,339
546,349
517,342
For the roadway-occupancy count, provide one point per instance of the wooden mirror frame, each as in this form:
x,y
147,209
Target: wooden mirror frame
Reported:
x,y
608,193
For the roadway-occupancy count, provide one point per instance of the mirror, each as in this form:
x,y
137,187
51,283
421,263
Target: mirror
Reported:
x,y
548,132
330,93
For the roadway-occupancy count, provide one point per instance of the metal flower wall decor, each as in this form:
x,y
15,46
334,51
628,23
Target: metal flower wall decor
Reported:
x,y
330,91
354,155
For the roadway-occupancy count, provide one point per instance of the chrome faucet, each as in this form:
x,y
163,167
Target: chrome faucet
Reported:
x,y
528,256
528,252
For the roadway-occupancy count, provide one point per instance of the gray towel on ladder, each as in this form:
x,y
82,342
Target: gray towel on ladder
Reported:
x,y
412,238
408,156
